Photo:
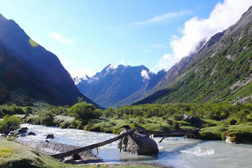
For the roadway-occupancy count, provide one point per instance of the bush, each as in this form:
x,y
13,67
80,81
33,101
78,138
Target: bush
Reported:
x,y
28,110
84,111
9,123
46,118
76,124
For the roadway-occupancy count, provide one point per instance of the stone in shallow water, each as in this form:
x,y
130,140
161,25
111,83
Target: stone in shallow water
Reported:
x,y
138,144
49,136
31,133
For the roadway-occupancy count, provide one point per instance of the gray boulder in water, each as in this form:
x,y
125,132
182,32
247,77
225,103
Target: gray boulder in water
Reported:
x,y
50,136
139,144
31,133
23,130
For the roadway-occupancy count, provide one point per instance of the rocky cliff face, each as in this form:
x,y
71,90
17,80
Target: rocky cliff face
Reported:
x,y
220,70
28,72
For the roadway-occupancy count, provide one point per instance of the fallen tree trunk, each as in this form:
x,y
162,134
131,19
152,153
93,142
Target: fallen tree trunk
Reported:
x,y
69,153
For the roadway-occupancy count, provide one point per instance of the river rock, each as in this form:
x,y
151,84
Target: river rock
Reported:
x,y
23,130
139,144
31,133
50,136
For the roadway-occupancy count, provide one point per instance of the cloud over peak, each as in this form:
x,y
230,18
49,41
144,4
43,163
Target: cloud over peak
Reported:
x,y
145,74
197,29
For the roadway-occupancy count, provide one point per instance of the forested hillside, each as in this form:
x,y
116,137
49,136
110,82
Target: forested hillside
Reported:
x,y
221,70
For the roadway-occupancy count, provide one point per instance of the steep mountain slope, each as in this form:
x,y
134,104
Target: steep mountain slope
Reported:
x,y
112,86
29,72
175,70
220,71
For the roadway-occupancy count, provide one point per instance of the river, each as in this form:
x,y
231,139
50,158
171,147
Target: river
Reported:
x,y
173,151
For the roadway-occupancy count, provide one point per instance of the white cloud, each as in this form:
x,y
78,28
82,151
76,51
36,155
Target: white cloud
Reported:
x,y
81,72
166,62
197,29
163,18
58,37
145,74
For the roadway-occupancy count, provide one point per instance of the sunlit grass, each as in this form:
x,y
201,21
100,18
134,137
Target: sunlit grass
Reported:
x,y
6,152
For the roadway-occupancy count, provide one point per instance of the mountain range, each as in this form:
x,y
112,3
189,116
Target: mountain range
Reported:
x,y
114,85
29,73
219,70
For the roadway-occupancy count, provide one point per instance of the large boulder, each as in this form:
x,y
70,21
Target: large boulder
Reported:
x,y
23,130
31,133
50,136
139,144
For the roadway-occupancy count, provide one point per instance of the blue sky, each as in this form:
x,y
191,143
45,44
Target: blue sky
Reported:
x,y
87,35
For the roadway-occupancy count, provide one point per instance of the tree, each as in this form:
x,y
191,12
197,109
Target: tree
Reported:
x,y
83,111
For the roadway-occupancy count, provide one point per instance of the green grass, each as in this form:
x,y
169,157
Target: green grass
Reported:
x,y
212,133
6,152
210,122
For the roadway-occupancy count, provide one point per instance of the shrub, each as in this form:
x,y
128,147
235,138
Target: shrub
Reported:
x,y
84,111
28,110
9,123
76,124
46,118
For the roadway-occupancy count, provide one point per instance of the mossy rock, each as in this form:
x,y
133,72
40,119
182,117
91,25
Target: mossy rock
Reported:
x,y
239,137
211,133
209,136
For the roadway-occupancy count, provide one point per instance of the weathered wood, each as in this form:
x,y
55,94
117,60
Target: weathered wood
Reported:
x,y
162,139
69,153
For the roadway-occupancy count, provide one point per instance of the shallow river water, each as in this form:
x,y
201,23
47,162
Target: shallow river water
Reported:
x,y
173,151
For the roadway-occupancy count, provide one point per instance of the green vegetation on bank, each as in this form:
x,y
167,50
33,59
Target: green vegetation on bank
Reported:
x,y
216,120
